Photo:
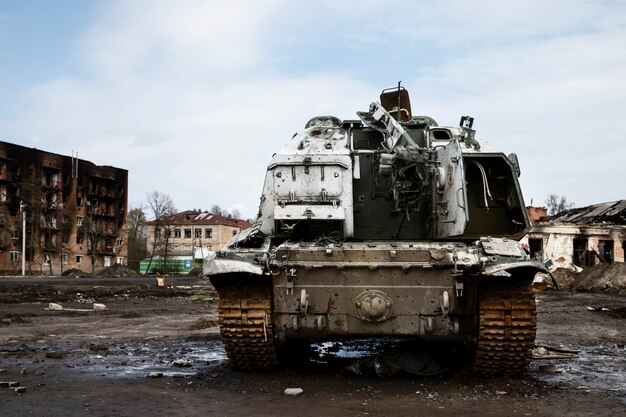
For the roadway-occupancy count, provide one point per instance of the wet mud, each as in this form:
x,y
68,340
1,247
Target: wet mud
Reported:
x,y
162,346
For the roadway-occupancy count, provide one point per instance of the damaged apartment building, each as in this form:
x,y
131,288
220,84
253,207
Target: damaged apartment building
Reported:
x,y
75,212
579,237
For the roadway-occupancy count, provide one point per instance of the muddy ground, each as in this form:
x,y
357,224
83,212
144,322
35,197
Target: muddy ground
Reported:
x,y
76,363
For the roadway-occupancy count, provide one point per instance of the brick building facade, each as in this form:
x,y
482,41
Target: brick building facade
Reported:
x,y
75,212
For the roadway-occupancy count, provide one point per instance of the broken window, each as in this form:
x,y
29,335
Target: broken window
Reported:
x,y
79,258
198,233
579,255
187,233
208,233
79,221
605,247
15,234
120,242
79,240
177,233
235,232
15,256
536,248
157,232
46,259
64,258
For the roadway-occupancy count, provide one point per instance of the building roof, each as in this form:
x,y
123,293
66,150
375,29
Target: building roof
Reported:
x,y
201,218
613,212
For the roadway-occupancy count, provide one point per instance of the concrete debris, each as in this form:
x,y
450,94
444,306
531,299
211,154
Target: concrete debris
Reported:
x,y
182,363
551,352
39,372
19,390
597,309
293,392
5,384
3,371
155,375
23,371
59,307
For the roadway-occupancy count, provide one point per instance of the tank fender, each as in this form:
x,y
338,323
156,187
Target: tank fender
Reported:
x,y
218,266
510,268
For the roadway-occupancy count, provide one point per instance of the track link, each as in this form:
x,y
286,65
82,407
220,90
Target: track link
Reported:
x,y
507,327
245,319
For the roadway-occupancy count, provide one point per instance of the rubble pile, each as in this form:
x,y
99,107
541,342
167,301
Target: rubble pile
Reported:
x,y
608,278
117,271
74,273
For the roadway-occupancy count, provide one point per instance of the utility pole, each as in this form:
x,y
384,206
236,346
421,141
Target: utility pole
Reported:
x,y
22,206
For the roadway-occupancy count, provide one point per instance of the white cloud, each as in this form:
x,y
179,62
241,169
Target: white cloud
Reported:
x,y
194,97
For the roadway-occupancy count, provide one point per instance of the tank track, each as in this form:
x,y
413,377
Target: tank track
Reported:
x,y
507,327
245,319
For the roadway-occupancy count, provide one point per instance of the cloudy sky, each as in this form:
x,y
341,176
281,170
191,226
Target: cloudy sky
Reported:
x,y
194,96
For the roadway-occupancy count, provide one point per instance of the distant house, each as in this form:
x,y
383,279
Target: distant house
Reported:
x,y
580,236
183,240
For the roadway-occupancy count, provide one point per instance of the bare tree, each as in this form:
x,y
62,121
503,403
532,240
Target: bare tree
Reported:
x,y
161,207
137,237
556,204
235,213
216,209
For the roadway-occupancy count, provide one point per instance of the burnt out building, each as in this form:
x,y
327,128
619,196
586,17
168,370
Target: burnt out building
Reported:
x,y
581,237
75,212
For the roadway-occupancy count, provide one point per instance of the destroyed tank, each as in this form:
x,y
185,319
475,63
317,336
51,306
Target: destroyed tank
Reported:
x,y
387,226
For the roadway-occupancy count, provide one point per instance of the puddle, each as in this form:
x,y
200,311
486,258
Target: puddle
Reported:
x,y
385,357
172,358
598,367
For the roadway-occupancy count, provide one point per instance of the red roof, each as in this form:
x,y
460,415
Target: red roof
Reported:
x,y
201,218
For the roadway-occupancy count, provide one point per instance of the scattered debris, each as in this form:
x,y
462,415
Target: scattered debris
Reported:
x,y
551,352
293,392
155,375
59,307
99,307
597,309
5,384
39,372
182,363
55,307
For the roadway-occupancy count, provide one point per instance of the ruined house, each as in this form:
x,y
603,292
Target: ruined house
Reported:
x,y
75,212
183,240
580,237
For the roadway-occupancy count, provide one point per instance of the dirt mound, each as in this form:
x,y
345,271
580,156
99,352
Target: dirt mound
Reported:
x,y
75,273
117,271
609,278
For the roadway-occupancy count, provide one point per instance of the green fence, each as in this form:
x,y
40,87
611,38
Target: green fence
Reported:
x,y
174,266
